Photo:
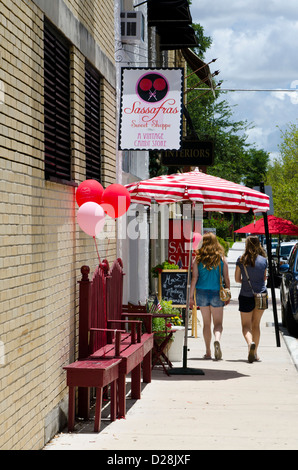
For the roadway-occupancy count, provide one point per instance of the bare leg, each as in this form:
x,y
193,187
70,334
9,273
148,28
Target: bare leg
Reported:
x,y
217,315
246,320
256,333
209,314
251,327
206,314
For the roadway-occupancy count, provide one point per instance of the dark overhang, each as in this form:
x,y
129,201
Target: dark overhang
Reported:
x,y
177,37
173,21
168,11
198,66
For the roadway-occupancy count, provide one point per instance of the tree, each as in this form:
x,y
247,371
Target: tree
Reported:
x,y
282,176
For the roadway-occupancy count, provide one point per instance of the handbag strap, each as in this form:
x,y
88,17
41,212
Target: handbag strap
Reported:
x,y
248,278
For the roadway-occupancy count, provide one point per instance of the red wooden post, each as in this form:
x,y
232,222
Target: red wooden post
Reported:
x,y
84,313
84,325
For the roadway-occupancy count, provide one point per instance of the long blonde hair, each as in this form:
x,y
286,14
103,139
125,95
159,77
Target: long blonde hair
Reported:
x,y
253,248
210,252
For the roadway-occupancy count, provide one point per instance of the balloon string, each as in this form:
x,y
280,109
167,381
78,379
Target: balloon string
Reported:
x,y
96,249
107,247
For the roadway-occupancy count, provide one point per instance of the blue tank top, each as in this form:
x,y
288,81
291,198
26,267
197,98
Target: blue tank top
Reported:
x,y
208,279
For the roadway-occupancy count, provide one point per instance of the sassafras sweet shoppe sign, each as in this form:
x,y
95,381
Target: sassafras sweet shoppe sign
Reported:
x,y
151,109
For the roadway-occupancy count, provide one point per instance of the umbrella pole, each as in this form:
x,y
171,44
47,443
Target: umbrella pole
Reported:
x,y
271,273
186,370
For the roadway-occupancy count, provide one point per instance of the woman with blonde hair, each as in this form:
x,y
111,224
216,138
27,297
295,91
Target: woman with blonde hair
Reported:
x,y
251,272
210,262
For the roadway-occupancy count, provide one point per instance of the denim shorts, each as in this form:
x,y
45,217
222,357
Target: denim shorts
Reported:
x,y
208,297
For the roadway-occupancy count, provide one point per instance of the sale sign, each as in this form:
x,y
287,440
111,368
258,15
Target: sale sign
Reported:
x,y
179,241
151,109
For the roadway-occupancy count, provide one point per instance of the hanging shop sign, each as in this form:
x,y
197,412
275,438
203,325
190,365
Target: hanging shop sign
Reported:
x,y
151,109
192,153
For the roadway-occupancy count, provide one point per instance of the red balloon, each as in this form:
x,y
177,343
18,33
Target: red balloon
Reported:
x,y
145,84
115,200
89,191
159,84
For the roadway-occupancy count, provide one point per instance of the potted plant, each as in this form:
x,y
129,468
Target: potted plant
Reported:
x,y
161,325
159,267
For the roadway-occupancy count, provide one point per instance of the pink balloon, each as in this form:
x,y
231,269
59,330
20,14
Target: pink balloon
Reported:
x,y
91,218
196,240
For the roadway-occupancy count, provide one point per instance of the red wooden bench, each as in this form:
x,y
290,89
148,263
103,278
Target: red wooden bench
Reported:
x,y
96,374
135,346
158,351
105,335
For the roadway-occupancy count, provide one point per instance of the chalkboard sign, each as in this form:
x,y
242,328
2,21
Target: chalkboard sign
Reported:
x,y
172,286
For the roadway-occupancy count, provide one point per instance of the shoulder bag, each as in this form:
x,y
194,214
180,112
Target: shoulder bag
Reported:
x,y
224,293
261,299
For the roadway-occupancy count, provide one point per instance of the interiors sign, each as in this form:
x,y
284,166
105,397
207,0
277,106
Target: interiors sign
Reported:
x,y
151,109
192,153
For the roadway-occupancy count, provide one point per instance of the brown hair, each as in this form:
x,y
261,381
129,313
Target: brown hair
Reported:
x,y
253,248
210,252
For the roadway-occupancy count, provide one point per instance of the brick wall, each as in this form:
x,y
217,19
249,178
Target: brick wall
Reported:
x,y
41,245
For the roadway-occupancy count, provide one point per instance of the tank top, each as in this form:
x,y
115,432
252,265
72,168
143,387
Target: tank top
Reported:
x,y
208,279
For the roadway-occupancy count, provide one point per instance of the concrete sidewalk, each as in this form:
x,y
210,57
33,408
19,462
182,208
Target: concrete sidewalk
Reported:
x,y
234,405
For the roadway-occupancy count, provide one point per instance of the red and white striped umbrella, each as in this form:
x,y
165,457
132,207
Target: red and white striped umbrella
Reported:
x,y
216,194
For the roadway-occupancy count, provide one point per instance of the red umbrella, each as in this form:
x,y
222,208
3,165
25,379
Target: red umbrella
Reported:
x,y
216,194
276,225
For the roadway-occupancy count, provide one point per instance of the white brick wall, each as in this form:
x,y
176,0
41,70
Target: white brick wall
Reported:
x,y
41,245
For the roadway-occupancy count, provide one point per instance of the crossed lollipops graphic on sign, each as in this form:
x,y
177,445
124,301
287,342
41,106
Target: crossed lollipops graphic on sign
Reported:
x,y
152,87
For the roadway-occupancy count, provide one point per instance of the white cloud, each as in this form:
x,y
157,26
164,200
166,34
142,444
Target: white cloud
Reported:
x,y
255,43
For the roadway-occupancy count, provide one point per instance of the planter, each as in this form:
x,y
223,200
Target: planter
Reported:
x,y
175,352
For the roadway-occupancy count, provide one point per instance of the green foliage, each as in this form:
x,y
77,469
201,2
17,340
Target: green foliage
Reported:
x,y
159,324
224,227
159,267
283,176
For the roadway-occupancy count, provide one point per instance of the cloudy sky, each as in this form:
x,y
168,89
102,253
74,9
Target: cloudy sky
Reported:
x,y
255,43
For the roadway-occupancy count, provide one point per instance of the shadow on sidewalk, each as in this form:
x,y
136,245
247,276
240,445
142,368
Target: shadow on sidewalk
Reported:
x,y
209,374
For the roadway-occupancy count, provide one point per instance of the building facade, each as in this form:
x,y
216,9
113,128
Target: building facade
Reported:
x,y
58,121
60,92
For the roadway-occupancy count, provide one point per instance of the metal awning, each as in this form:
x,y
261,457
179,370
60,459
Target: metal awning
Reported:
x,y
168,11
173,21
198,66
177,37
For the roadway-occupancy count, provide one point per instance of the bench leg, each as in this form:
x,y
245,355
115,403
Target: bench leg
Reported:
x,y
98,407
121,394
147,368
113,401
136,382
84,402
71,408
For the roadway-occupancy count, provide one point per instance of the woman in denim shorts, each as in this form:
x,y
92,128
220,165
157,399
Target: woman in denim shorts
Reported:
x,y
205,279
254,258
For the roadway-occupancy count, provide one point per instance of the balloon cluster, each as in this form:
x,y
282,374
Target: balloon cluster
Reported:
x,y
95,202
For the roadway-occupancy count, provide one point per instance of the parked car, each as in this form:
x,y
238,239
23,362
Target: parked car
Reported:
x,y
285,251
289,293
274,245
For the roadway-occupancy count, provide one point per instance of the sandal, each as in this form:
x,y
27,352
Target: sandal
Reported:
x,y
206,357
251,353
217,351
